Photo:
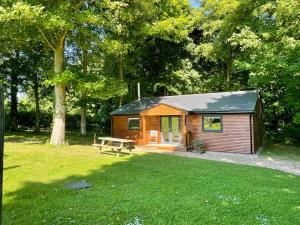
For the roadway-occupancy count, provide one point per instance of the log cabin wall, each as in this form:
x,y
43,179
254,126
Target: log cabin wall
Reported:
x,y
163,110
151,118
152,123
120,129
258,127
235,135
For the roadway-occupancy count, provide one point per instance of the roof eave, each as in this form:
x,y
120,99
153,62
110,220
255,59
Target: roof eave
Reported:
x,y
221,112
192,112
125,114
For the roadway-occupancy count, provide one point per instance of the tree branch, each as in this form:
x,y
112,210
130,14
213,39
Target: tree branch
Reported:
x,y
45,38
63,37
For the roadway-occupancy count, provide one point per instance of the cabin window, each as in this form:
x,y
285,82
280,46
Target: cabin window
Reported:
x,y
133,123
212,123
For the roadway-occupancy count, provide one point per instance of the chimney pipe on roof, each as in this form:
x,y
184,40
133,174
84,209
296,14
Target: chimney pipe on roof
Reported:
x,y
139,91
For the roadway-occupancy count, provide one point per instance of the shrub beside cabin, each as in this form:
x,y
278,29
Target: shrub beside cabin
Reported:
x,y
225,122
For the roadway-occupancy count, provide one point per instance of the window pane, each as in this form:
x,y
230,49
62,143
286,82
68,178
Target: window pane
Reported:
x,y
212,123
175,129
165,128
134,123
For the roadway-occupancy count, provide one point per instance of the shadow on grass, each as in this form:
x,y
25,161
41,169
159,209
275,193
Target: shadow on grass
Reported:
x,y
26,137
77,139
156,189
31,138
11,167
282,151
54,203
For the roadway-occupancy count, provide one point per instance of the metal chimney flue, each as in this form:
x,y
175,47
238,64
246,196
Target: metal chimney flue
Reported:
x,y
139,91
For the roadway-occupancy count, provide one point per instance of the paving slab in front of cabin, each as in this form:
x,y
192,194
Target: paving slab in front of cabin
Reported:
x,y
289,166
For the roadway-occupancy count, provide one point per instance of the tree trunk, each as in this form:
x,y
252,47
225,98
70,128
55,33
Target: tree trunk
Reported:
x,y
83,106
13,101
229,69
37,103
59,123
121,76
83,121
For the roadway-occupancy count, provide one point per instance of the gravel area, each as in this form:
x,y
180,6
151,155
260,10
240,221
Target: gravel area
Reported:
x,y
289,166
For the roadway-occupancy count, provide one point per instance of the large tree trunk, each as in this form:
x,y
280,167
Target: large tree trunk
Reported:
x,y
59,123
121,76
83,106
13,101
37,103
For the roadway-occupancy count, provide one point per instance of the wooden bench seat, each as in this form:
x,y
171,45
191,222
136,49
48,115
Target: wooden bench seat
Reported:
x,y
115,144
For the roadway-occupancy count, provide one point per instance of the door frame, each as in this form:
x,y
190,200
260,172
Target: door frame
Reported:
x,y
170,129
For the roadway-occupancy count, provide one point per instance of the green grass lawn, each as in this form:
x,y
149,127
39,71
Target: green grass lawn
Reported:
x,y
282,151
140,189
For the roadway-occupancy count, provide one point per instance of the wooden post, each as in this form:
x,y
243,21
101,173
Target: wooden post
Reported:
x,y
144,138
95,141
184,130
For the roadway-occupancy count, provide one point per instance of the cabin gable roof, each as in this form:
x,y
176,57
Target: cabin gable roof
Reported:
x,y
163,109
221,102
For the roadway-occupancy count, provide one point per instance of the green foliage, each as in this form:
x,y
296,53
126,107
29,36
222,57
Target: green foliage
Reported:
x,y
65,78
198,145
171,29
20,11
101,88
26,122
296,118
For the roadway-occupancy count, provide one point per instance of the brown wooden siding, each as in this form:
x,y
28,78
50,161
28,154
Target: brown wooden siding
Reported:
x,y
120,129
258,127
149,120
163,110
152,116
152,123
235,136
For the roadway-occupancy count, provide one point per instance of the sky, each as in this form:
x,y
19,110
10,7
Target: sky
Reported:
x,y
195,3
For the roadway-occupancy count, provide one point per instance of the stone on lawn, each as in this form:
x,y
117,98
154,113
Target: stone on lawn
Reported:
x,y
79,185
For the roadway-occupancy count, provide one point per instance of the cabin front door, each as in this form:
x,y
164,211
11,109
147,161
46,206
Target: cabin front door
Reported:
x,y
170,129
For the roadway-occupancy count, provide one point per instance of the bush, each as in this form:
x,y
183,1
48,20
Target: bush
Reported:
x,y
26,121
287,134
198,145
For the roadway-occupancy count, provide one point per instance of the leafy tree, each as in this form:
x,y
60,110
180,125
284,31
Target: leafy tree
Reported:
x,y
37,69
12,71
53,20
270,47
148,43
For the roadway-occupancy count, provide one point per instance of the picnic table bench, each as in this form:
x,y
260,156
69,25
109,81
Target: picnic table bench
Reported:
x,y
117,144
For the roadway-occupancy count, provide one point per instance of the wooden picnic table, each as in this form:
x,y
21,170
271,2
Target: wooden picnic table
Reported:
x,y
115,144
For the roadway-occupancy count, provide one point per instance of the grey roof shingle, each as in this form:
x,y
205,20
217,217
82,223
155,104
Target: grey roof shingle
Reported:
x,y
221,102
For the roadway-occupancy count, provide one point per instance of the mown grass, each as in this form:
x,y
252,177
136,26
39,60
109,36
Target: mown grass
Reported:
x,y
139,189
282,151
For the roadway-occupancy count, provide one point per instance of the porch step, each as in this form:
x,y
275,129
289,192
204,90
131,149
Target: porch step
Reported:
x,y
165,147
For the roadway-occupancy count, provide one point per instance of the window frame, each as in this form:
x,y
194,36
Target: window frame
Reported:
x,y
133,118
213,115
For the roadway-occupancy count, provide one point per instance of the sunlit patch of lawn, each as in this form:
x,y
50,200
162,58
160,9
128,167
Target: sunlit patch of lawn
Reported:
x,y
140,189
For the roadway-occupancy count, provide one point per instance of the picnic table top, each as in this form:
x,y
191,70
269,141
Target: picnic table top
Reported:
x,y
116,139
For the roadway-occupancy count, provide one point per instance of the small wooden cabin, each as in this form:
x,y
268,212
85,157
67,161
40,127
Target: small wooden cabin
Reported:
x,y
225,121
